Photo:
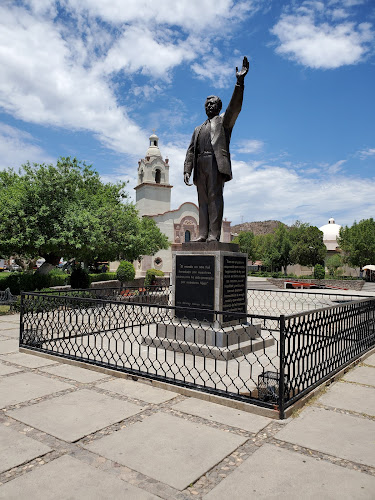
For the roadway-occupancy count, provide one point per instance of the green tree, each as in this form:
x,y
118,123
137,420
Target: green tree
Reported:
x,y
266,251
319,272
245,240
282,247
67,210
308,248
358,243
333,263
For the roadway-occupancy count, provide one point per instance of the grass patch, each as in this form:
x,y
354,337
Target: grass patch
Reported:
x,y
4,310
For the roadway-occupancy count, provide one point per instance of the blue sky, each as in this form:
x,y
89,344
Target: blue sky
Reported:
x,y
92,79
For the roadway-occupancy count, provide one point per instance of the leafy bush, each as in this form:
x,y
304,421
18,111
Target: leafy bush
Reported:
x,y
58,277
25,282
150,276
334,263
29,281
125,271
102,277
278,274
319,272
79,278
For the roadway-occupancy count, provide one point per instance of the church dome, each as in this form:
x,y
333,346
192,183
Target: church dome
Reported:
x,y
153,149
331,232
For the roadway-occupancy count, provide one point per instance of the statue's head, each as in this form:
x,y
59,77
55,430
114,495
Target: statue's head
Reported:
x,y
213,106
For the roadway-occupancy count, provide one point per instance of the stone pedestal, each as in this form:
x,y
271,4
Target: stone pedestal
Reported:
x,y
209,276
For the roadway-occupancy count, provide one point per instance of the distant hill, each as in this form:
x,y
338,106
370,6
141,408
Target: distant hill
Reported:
x,y
261,227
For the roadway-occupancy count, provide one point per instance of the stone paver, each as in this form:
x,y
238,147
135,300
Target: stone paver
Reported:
x,y
28,360
6,370
16,448
69,478
223,414
9,325
273,472
167,448
370,360
11,318
138,390
25,386
342,435
159,451
10,345
361,375
350,397
14,333
74,373
75,415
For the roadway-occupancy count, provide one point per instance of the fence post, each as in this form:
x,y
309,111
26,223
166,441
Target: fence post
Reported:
x,y
20,340
282,367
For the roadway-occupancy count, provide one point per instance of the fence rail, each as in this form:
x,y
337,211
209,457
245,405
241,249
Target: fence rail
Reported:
x,y
264,359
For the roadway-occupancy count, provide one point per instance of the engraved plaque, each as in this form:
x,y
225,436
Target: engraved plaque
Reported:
x,y
195,285
234,285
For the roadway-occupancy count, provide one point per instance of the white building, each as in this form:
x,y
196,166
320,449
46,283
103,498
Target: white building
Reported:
x,y
153,199
331,232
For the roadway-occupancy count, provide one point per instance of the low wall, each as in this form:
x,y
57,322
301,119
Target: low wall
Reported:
x,y
137,282
346,284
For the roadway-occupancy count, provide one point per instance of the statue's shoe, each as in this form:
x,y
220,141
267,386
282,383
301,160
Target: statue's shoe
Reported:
x,y
201,239
211,238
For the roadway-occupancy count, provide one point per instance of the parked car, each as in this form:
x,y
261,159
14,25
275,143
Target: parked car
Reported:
x,y
14,267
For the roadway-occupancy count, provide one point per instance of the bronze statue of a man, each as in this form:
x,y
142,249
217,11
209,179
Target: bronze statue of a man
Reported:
x,y
208,158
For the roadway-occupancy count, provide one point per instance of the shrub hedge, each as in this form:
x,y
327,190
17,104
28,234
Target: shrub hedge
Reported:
x,y
125,271
150,276
102,277
29,281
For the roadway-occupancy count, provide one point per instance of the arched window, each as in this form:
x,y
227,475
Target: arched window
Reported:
x,y
157,176
187,236
141,175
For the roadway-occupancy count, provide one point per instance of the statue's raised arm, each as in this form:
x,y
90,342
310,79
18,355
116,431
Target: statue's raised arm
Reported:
x,y
243,72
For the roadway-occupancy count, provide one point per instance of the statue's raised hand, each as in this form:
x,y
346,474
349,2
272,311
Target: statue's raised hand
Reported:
x,y
243,72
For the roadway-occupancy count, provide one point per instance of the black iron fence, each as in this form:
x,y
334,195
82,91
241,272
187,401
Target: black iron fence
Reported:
x,y
319,343
271,361
261,302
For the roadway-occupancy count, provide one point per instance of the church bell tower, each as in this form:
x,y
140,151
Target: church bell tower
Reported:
x,y
153,191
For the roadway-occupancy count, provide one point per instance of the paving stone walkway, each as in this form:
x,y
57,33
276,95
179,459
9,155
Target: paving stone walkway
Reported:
x,y
68,432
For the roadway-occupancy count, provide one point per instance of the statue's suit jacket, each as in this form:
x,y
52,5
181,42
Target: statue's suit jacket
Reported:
x,y
221,131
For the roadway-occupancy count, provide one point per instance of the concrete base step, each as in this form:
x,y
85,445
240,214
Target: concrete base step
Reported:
x,y
219,353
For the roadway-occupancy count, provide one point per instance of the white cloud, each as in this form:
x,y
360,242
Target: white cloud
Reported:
x,y
336,167
62,69
191,16
137,50
367,153
214,69
308,36
250,146
18,147
273,192
44,81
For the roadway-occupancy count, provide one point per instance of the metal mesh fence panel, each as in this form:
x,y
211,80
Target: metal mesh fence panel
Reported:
x,y
321,342
269,360
151,340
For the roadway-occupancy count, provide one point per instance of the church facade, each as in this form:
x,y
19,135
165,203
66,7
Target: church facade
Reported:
x,y
153,199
